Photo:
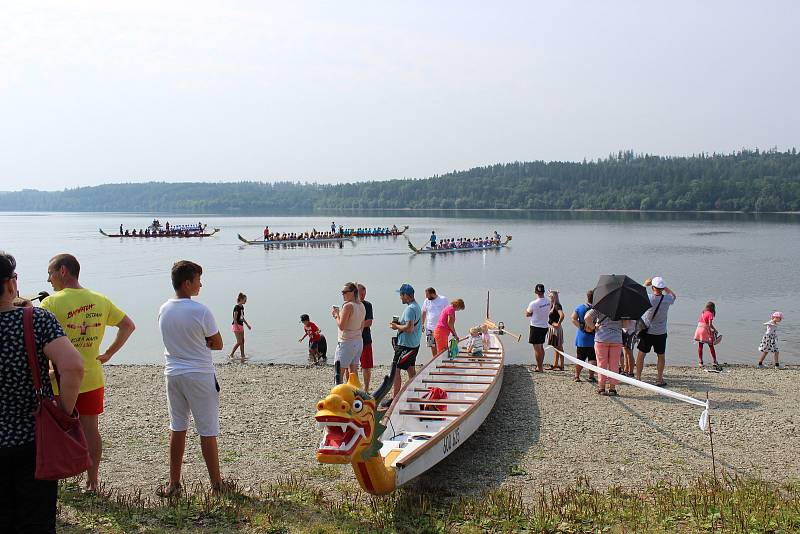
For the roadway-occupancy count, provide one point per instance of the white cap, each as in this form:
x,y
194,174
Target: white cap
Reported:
x,y
658,282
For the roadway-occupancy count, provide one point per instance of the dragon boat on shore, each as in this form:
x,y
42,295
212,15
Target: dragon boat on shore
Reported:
x,y
387,450
428,250
304,241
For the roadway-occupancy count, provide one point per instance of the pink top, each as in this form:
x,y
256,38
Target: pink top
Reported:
x,y
706,317
447,312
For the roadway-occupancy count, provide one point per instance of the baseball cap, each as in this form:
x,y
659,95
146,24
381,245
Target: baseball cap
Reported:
x,y
658,282
304,317
406,289
539,288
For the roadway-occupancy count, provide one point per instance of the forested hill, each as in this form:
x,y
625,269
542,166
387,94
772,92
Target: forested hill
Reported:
x,y
744,181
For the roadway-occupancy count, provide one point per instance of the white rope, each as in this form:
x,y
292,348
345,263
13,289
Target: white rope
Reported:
x,y
702,423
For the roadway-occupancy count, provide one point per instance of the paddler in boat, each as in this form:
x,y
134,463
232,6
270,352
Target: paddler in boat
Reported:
x,y
266,233
433,239
120,229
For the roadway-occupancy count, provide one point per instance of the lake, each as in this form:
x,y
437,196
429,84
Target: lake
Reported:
x,y
745,263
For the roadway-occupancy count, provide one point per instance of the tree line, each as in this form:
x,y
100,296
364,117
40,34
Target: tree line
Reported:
x,y
747,180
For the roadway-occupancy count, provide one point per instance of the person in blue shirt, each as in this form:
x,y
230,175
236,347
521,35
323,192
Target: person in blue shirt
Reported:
x,y
409,334
433,239
584,341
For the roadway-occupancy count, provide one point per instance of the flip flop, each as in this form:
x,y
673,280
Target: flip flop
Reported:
x,y
577,379
660,384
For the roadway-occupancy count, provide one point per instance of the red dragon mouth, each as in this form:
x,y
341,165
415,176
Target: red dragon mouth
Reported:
x,y
340,435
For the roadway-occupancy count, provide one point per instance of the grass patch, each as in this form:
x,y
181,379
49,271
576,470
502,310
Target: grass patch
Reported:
x,y
293,504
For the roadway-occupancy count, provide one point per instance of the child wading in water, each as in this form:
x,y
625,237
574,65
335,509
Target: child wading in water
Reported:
x,y
769,343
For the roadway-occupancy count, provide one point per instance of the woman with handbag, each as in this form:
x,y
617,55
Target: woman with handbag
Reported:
x,y
706,333
28,504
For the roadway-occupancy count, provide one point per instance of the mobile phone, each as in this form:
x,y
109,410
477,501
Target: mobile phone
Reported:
x,y
396,319
336,308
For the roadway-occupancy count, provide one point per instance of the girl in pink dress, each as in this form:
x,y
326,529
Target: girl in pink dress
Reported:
x,y
706,333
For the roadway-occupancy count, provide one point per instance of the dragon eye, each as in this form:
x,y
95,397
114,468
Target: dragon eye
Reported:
x,y
357,405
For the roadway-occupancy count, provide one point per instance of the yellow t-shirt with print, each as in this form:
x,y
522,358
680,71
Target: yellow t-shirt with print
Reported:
x,y
84,315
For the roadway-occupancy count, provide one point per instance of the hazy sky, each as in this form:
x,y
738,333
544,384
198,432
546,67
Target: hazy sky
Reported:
x,y
96,91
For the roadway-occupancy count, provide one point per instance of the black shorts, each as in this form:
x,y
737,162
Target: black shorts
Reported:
x,y
586,353
405,357
536,335
655,342
321,346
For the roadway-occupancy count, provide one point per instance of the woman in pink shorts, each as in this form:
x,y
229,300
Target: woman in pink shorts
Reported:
x,y
238,324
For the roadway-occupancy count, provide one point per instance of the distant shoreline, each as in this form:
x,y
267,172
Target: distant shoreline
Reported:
x,y
323,211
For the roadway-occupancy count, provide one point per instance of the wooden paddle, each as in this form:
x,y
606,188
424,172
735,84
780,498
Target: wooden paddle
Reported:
x,y
501,330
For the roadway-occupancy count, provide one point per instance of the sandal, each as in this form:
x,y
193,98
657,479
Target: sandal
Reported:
x,y
551,368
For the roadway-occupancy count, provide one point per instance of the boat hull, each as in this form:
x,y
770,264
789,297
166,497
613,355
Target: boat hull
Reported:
x,y
294,241
151,236
426,440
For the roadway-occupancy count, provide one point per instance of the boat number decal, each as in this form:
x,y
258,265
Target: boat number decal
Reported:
x,y
451,441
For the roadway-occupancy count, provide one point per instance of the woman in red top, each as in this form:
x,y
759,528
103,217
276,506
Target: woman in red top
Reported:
x,y
706,333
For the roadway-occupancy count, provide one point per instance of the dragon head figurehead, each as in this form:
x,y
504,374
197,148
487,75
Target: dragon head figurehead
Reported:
x,y
352,429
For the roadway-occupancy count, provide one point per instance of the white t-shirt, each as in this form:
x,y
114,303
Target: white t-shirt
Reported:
x,y
540,310
185,324
433,309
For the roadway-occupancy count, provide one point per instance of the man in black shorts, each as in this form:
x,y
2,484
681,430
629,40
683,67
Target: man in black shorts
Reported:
x,y
538,311
409,335
655,337
584,341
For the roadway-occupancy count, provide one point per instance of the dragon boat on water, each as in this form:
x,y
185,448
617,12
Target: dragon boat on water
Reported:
x,y
306,241
428,250
156,234
366,232
386,450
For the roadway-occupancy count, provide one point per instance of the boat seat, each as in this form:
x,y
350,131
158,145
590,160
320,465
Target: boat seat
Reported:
x,y
444,381
466,367
448,373
430,413
454,390
439,401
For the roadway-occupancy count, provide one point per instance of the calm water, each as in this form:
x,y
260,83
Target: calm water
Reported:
x,y
748,266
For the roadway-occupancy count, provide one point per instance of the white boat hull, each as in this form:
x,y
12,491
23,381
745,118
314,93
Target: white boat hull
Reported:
x,y
412,444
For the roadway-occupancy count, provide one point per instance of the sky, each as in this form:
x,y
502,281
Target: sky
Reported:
x,y
98,92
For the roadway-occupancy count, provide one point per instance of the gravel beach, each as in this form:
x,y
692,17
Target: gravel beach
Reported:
x,y
544,430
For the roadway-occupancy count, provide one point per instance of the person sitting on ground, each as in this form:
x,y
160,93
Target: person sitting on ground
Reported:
x,y
475,342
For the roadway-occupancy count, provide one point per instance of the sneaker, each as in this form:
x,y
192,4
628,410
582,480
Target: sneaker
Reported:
x,y
760,365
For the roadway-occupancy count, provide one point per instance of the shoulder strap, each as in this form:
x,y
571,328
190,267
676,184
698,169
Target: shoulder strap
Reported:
x,y
657,307
30,348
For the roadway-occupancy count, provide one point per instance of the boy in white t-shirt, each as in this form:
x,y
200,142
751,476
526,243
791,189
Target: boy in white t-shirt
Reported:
x,y
190,334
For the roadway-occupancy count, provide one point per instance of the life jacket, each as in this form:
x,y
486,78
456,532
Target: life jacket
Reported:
x,y
434,393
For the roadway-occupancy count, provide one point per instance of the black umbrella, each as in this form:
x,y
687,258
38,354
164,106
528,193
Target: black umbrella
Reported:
x,y
620,297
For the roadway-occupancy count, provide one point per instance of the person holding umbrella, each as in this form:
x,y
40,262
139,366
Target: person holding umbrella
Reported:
x,y
654,337
618,299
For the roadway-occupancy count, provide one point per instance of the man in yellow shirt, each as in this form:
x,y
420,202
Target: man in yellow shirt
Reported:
x,y
84,315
